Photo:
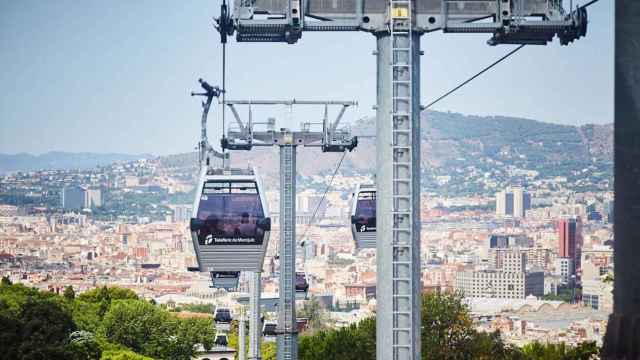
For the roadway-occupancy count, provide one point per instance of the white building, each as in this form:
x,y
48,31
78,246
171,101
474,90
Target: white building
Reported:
x,y
182,213
512,202
564,269
511,281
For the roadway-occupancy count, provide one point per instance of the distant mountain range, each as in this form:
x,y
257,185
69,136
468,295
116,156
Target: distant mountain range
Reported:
x,y
450,141
61,160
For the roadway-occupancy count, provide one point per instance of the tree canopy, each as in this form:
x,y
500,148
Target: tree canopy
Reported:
x,y
112,323
103,323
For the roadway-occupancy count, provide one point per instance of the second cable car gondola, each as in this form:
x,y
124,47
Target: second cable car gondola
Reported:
x,y
363,216
221,340
222,315
230,227
302,286
269,329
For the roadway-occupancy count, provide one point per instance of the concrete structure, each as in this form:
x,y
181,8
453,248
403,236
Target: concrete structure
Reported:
x,y
93,198
510,281
508,241
623,329
77,197
564,268
540,258
512,202
597,294
73,198
182,213
570,240
597,274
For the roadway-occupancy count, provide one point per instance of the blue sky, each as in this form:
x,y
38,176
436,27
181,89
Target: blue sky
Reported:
x,y
115,76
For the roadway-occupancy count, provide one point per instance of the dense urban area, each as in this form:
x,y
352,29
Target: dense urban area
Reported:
x,y
517,233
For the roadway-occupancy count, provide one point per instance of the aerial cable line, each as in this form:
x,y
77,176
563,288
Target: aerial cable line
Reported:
x,y
326,190
491,66
475,76
589,3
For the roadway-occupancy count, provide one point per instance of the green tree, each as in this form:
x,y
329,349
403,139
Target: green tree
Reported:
x,y
539,351
188,333
198,308
84,346
5,281
355,342
446,327
316,316
122,355
152,331
69,293
44,330
86,315
10,328
107,293
139,326
268,350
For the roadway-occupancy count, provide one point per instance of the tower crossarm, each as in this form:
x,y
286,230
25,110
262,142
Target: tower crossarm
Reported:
x,y
533,22
249,134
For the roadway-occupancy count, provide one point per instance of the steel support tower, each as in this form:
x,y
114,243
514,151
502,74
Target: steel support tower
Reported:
x,y
398,25
288,333
398,187
242,341
255,326
330,139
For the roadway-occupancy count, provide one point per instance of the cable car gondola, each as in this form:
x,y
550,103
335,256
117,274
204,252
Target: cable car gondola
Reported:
x,y
221,340
269,329
230,230
227,280
302,286
363,216
222,315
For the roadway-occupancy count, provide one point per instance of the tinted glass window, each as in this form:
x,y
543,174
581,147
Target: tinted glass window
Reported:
x,y
231,211
365,217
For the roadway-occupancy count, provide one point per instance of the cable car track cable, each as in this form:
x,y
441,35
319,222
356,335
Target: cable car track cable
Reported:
x,y
474,76
326,190
492,65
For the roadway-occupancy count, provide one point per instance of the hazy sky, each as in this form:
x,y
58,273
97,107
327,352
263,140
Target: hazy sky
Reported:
x,y
115,76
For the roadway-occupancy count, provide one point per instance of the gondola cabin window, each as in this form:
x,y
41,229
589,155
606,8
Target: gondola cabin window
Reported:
x,y
365,217
232,213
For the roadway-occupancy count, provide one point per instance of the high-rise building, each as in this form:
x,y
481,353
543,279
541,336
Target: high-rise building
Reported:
x,y
564,269
503,241
512,202
536,257
597,266
181,213
570,240
608,211
72,197
93,198
77,197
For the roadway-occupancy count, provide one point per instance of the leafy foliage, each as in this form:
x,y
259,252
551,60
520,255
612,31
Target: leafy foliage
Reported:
x,y
104,323
197,308
123,355
69,293
113,324
447,334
